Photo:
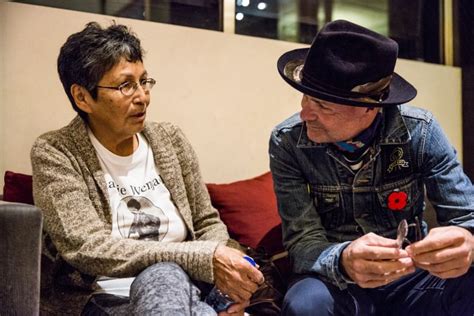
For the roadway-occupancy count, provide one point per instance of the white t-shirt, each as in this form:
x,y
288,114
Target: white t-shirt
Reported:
x,y
140,202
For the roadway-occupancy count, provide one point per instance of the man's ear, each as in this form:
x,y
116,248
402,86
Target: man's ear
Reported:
x,y
82,97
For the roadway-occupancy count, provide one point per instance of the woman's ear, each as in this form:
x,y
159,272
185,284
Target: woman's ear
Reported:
x,y
82,98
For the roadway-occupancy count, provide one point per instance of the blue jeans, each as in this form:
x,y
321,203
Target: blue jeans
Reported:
x,y
417,294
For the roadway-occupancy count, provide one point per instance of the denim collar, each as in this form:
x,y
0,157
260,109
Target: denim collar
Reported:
x,y
305,142
393,132
394,128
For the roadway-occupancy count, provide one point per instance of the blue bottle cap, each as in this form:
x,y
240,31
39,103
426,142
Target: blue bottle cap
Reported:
x,y
250,260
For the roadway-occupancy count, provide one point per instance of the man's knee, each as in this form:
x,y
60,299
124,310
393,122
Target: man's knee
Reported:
x,y
308,297
463,286
470,273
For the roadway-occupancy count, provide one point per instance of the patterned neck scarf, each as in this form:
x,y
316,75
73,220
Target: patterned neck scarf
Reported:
x,y
356,146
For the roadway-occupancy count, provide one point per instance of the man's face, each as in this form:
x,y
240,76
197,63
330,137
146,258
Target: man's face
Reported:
x,y
115,114
328,122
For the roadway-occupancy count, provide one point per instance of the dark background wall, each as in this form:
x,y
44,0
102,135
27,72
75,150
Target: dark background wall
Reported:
x,y
464,17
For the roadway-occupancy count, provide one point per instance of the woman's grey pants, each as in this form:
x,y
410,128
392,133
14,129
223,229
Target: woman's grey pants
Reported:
x,y
161,289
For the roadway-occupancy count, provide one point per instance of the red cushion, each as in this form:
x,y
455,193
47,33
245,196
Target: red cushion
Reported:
x,y
18,188
247,207
249,210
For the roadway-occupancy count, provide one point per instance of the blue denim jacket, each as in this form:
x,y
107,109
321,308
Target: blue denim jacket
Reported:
x,y
324,204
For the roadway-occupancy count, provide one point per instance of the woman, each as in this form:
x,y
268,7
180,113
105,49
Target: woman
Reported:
x,y
86,174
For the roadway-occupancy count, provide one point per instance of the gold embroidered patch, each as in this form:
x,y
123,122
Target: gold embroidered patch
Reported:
x,y
397,161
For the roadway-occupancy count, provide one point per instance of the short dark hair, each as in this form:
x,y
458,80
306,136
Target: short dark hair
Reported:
x,y
87,55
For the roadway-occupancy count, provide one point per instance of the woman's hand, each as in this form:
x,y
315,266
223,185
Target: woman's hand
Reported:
x,y
237,309
234,275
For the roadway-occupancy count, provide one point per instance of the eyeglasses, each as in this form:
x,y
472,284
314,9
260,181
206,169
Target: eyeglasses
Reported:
x,y
128,88
402,231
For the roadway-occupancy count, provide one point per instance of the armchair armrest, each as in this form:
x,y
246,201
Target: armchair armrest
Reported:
x,y
20,250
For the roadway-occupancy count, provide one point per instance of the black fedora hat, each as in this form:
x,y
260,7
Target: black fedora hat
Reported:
x,y
347,64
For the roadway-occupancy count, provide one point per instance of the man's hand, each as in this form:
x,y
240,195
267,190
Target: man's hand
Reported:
x,y
234,275
447,252
372,261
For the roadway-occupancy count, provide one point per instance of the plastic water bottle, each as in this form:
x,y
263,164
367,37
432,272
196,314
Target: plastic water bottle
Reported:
x,y
220,301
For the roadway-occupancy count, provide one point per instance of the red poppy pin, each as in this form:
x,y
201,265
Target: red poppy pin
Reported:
x,y
397,200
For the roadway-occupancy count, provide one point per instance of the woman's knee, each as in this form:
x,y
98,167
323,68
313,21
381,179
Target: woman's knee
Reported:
x,y
163,289
161,273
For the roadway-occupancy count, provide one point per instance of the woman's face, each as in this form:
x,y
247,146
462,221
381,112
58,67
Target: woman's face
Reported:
x,y
113,114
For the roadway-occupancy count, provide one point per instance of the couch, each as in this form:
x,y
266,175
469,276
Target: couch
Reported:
x,y
247,207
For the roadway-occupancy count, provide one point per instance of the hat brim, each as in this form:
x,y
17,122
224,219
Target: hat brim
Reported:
x,y
401,91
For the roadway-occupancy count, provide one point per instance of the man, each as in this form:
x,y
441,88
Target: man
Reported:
x,y
350,170
124,203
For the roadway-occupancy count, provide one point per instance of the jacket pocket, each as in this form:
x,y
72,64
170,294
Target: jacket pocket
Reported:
x,y
328,205
400,201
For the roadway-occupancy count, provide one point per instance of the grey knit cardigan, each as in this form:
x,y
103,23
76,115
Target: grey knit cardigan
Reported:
x,y
69,186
